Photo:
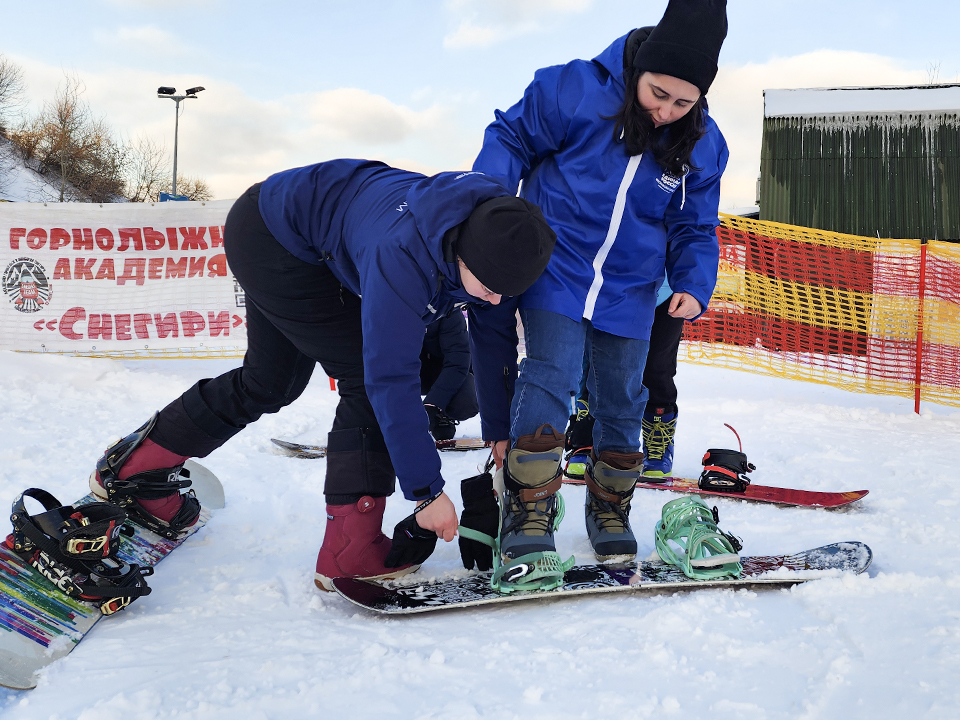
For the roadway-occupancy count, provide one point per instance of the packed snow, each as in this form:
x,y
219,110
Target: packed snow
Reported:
x,y
823,101
236,629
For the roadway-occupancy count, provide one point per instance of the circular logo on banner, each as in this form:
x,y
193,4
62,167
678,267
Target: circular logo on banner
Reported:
x,y
25,284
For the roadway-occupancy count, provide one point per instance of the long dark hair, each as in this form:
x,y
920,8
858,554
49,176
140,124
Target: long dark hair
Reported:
x,y
671,145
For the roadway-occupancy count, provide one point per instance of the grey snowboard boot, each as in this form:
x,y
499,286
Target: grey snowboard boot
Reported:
x,y
611,480
531,477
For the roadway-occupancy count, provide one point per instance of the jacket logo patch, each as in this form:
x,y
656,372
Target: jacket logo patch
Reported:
x,y
668,183
403,206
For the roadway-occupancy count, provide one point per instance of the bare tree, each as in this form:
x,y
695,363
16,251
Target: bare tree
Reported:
x,y
195,188
148,170
12,92
65,140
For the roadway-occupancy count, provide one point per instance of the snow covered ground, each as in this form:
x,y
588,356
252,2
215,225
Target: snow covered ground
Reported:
x,y
18,183
236,629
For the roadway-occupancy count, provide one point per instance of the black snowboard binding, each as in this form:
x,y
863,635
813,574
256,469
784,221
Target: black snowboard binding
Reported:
x,y
75,548
725,470
147,485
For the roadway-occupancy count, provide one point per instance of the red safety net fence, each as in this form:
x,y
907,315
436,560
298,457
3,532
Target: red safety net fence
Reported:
x,y
864,314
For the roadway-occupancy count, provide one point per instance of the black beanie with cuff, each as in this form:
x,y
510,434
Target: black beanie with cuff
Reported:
x,y
506,243
686,43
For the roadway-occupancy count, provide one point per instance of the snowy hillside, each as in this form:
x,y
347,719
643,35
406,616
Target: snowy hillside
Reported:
x,y
18,183
236,629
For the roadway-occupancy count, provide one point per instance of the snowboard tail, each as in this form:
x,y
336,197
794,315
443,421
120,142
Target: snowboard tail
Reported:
x,y
753,493
39,624
313,452
403,598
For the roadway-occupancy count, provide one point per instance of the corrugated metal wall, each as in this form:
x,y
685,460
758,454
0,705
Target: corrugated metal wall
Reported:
x,y
896,175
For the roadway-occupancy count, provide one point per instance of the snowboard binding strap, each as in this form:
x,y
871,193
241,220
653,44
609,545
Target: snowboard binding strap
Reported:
x,y
725,470
147,485
75,548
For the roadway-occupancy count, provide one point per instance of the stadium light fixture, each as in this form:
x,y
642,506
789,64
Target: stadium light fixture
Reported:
x,y
170,93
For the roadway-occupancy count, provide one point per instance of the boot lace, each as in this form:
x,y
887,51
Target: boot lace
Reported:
x,y
543,515
657,437
610,515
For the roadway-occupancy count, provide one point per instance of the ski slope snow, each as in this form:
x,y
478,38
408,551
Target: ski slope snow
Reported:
x,y
236,629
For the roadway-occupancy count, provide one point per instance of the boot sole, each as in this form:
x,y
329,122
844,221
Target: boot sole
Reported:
x,y
326,583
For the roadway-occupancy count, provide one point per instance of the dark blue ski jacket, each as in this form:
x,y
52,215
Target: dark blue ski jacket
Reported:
x,y
615,216
380,230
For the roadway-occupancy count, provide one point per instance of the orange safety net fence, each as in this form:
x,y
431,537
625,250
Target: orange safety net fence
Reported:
x,y
863,314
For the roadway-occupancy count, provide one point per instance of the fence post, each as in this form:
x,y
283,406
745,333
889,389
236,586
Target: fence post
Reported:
x,y
918,378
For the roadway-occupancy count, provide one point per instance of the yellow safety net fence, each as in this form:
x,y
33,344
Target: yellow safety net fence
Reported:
x,y
863,314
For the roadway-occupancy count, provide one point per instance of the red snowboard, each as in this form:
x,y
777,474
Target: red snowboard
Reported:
x,y
754,493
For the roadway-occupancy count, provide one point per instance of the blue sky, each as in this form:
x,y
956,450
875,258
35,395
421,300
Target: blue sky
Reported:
x,y
414,83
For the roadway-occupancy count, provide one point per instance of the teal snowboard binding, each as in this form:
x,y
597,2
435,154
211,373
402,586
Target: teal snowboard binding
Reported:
x,y
689,538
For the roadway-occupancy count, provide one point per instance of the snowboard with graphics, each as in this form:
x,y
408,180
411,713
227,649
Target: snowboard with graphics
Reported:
x,y
39,624
312,452
405,596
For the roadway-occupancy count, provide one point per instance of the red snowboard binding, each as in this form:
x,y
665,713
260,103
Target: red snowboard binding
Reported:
x,y
725,470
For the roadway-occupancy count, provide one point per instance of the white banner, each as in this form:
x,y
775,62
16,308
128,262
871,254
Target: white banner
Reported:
x,y
124,278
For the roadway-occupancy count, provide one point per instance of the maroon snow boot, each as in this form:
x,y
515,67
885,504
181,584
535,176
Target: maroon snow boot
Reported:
x,y
145,480
354,544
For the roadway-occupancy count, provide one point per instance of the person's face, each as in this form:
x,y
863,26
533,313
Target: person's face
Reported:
x,y
475,287
666,98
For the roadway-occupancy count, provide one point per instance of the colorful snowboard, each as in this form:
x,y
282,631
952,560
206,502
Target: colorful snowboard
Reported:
x,y
754,493
312,452
402,597
39,624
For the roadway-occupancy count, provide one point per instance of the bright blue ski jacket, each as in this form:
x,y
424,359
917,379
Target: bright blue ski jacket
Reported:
x,y
380,230
619,220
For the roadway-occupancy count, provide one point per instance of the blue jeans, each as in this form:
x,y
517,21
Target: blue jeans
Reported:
x,y
550,375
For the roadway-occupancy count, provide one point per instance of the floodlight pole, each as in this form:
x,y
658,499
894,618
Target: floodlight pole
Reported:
x,y
176,126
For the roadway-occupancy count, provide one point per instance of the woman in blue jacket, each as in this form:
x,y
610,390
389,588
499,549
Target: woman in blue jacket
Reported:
x,y
345,263
623,159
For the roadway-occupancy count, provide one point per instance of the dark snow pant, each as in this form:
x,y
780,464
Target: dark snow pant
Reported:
x,y
298,315
661,367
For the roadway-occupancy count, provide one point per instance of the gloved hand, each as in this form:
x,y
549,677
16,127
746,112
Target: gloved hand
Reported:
x,y
411,543
481,512
441,426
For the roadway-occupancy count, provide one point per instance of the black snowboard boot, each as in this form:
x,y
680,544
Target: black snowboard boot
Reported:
x,y
531,478
611,480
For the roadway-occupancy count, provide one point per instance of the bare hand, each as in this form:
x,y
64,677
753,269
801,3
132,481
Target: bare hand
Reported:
x,y
684,305
500,448
441,517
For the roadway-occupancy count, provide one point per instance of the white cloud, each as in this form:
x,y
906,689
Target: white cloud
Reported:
x,y
736,102
486,22
359,116
143,41
233,140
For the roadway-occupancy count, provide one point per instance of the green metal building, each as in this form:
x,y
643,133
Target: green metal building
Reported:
x,y
866,161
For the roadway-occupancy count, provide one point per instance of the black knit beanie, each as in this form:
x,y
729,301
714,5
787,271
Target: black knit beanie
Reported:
x,y
506,243
686,44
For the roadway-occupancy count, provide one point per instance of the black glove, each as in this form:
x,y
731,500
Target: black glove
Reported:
x,y
442,427
481,512
411,543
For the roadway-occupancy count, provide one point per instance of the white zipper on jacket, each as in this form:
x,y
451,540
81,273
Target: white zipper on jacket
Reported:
x,y
615,220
